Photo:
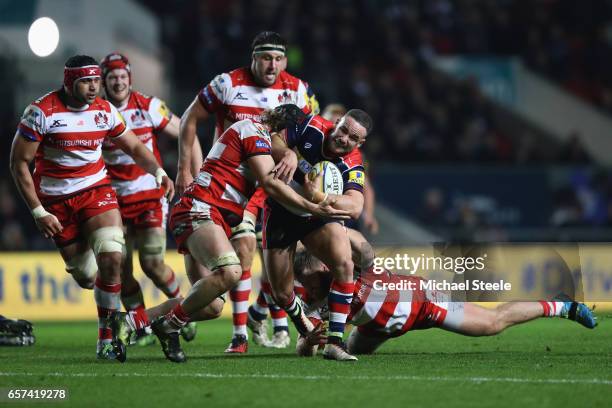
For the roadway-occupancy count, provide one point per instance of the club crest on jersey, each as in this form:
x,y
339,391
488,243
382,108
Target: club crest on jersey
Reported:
x,y
101,120
137,117
284,97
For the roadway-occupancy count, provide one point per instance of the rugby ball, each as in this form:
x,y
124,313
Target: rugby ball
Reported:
x,y
331,177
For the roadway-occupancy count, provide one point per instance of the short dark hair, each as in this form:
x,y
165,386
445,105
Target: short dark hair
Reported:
x,y
80,61
302,260
268,37
362,118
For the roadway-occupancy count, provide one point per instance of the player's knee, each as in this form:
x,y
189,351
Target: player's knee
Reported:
x,y
357,344
245,248
151,249
83,268
343,269
154,268
230,275
86,283
108,240
213,310
227,267
363,254
110,262
497,322
490,325
282,297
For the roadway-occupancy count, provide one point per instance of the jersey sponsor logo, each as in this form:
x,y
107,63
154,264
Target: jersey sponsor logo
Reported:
x,y
242,115
57,123
32,118
217,88
101,120
163,110
240,96
207,96
81,123
107,200
151,216
78,142
357,177
307,145
260,144
31,113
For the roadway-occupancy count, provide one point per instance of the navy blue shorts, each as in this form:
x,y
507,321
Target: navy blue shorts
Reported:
x,y
281,228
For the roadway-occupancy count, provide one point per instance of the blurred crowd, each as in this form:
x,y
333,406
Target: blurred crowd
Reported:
x,y
375,55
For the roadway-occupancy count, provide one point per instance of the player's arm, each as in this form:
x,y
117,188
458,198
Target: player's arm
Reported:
x,y
369,196
172,130
351,201
285,158
262,166
22,154
129,143
194,114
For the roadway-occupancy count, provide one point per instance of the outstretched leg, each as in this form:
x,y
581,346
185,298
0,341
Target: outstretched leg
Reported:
x,y
473,320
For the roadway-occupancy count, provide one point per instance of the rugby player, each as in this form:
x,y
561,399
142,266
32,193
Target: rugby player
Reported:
x,y
70,195
334,112
142,204
315,140
244,93
380,313
201,221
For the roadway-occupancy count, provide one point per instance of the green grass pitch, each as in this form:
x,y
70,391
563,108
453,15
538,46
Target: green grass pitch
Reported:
x,y
545,363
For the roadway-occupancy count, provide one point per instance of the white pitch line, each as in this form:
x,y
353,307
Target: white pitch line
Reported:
x,y
478,380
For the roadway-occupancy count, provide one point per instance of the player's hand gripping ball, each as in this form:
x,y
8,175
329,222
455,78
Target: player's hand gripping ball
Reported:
x,y
330,181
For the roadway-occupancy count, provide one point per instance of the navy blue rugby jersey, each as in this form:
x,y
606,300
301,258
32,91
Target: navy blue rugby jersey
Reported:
x,y
307,139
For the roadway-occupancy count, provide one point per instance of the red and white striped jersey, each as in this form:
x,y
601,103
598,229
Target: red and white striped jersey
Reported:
x,y
145,116
378,310
225,179
69,157
236,96
389,312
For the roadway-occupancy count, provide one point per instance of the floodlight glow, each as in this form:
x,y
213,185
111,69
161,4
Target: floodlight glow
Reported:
x,y
43,36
